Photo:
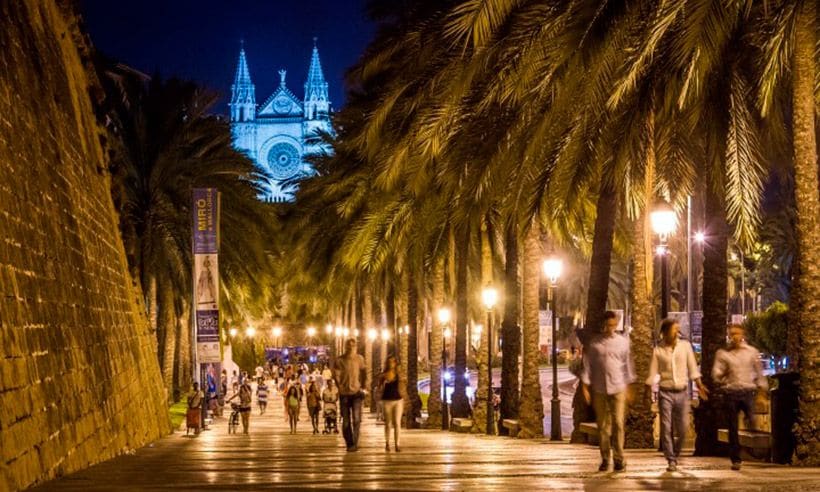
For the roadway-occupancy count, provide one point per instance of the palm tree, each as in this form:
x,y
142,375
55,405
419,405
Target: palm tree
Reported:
x,y
531,405
510,331
164,144
806,294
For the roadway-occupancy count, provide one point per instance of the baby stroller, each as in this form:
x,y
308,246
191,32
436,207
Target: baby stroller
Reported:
x,y
330,413
233,420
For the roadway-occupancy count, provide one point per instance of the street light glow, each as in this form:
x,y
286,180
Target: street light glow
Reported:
x,y
660,250
338,331
553,267
277,331
372,334
250,331
385,334
447,333
356,332
443,316
233,332
311,331
329,329
700,237
489,296
345,332
664,219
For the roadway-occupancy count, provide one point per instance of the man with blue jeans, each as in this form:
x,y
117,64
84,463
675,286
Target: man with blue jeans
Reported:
x,y
674,365
350,373
608,371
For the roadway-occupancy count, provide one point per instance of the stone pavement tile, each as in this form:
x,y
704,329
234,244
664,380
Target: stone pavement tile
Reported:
x,y
270,458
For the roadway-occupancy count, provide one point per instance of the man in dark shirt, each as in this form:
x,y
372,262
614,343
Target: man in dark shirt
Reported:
x,y
350,373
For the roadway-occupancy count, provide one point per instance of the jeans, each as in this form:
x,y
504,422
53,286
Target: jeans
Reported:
x,y
673,407
735,402
392,418
351,418
610,411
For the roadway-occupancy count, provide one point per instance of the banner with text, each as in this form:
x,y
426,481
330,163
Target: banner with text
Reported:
x,y
206,273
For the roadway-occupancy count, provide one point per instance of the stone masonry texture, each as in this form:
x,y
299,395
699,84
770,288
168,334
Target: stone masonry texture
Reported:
x,y
79,380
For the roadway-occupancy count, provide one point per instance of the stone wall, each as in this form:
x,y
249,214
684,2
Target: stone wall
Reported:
x,y
79,381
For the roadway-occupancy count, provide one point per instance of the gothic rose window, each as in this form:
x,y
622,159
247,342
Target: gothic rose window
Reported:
x,y
284,161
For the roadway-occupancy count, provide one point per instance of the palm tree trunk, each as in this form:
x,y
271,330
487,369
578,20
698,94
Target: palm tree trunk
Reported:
x,y
390,310
510,331
461,404
167,321
414,407
807,434
599,268
434,401
182,373
531,407
484,345
707,414
639,418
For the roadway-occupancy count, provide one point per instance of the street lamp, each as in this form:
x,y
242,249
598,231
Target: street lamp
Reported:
x,y
250,332
329,329
553,266
233,332
276,331
443,319
664,221
490,297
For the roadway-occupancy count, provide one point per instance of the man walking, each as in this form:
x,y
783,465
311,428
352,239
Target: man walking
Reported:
x,y
738,375
673,363
608,371
350,375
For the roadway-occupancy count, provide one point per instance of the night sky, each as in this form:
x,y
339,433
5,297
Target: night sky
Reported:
x,y
199,40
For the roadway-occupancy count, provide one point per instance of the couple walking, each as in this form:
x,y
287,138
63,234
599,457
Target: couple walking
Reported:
x,y
351,373
608,371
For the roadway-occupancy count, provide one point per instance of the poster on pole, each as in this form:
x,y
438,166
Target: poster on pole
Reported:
x,y
206,273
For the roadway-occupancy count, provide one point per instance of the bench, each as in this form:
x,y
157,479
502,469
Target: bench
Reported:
x,y
590,431
757,443
461,425
511,425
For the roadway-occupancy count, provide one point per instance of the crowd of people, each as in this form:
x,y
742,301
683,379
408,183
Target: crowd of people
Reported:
x,y
605,372
325,391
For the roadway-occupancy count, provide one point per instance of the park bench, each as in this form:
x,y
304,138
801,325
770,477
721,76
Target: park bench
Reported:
x,y
511,425
590,431
461,425
757,442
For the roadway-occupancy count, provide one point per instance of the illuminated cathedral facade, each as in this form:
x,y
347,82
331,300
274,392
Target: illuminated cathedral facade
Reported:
x,y
281,132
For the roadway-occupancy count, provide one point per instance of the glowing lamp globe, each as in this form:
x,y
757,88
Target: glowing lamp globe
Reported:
x,y
663,219
443,316
489,296
553,267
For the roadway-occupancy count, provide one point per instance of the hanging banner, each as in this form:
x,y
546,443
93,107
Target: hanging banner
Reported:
x,y
206,273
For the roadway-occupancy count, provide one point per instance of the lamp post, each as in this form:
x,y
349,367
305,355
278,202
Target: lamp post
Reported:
x,y
552,270
311,332
490,297
444,318
276,331
664,221
368,352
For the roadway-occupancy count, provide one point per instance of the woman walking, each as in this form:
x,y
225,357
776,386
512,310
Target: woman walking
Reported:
x,y
292,401
314,405
393,399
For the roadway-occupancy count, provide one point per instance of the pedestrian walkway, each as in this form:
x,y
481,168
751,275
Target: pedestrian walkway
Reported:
x,y
270,458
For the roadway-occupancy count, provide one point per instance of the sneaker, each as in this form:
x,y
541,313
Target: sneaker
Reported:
x,y
672,467
353,449
604,466
620,466
736,465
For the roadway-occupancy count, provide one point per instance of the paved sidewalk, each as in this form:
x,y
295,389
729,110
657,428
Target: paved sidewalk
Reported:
x,y
269,457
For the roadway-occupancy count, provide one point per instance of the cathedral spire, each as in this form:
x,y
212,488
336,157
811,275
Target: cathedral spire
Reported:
x,y
317,105
243,97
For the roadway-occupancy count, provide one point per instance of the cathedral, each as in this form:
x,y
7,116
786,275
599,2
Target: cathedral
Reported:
x,y
284,130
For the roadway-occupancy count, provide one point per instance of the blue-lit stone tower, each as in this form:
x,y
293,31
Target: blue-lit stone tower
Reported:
x,y
285,129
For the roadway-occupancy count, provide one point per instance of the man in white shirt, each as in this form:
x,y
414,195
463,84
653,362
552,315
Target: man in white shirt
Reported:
x,y
738,375
673,365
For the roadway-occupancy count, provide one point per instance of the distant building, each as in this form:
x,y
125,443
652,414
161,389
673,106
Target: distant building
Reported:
x,y
285,129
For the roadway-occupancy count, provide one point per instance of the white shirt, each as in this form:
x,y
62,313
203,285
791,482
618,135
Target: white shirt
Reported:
x,y
675,366
739,369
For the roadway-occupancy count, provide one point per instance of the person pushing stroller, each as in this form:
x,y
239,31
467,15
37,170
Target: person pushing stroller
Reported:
x,y
330,397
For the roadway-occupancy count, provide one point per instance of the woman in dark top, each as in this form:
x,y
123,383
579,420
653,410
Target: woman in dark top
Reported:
x,y
393,400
